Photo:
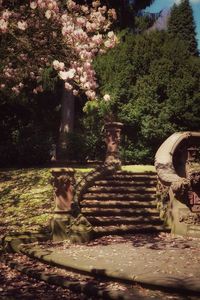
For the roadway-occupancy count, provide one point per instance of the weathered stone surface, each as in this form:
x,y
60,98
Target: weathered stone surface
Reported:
x,y
112,207
81,230
112,132
60,226
63,183
156,260
179,183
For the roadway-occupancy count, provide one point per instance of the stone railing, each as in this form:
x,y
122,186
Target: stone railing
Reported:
x,y
89,179
179,180
68,222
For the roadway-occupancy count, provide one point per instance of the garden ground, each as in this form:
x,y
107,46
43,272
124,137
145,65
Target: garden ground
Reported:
x,y
27,203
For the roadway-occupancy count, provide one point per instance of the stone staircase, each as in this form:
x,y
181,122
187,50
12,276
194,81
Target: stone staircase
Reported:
x,y
123,203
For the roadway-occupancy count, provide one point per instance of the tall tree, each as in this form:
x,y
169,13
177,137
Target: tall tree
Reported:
x,y
181,24
154,84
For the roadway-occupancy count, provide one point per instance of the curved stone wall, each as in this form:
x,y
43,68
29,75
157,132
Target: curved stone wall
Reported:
x,y
179,178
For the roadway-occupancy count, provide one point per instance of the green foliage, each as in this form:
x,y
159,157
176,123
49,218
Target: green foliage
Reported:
x,y
155,84
91,107
28,129
49,79
142,23
26,146
181,24
86,144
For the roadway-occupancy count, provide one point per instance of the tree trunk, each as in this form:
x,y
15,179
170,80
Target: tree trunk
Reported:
x,y
67,123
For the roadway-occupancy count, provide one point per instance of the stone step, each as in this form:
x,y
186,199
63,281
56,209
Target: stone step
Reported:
x,y
122,203
124,229
134,177
148,173
147,183
120,220
116,196
121,189
96,211
113,203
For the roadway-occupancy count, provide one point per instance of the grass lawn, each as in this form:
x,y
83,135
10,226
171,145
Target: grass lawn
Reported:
x,y
26,197
139,168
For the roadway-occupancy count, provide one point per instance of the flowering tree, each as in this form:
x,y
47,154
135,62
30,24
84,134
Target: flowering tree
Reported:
x,y
61,36
55,37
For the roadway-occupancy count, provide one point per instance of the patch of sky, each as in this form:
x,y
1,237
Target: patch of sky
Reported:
x,y
158,6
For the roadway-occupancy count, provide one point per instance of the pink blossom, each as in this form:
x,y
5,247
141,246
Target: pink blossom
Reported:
x,y
58,66
97,39
75,92
64,75
23,56
67,30
35,91
112,14
6,14
102,51
84,9
102,9
81,21
2,86
96,4
71,73
22,25
89,26
3,26
39,89
79,31
106,97
90,94
80,70
111,34
20,85
32,75
71,4
50,5
16,90
87,65
68,86
33,5
48,14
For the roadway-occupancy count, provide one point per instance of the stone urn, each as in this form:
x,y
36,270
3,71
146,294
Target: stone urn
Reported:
x,y
112,131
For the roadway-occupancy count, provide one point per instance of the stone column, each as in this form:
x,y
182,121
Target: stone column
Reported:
x,y
112,140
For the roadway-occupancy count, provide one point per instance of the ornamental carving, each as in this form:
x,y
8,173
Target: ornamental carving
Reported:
x,y
63,184
190,219
187,190
194,191
194,177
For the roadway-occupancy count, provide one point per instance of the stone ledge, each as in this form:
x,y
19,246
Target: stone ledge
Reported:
x,y
174,283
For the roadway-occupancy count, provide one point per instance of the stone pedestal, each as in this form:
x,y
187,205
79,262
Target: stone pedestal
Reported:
x,y
67,224
63,182
112,140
